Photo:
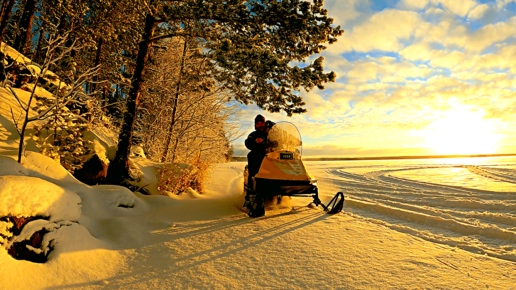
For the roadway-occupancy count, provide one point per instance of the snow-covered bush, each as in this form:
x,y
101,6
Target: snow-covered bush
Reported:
x,y
55,109
62,136
176,177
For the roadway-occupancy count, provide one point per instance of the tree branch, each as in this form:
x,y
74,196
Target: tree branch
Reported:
x,y
15,122
17,99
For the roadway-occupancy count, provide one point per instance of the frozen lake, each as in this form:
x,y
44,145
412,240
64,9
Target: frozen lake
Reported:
x,y
469,203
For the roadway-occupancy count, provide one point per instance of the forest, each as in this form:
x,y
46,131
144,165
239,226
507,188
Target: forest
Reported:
x,y
161,79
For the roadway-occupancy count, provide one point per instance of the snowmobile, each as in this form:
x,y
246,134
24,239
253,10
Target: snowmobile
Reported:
x,y
282,173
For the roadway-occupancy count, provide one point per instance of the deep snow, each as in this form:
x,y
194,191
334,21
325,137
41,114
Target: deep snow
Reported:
x,y
126,240
405,225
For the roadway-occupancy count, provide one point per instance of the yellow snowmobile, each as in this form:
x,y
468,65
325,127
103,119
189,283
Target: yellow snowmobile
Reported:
x,y
282,173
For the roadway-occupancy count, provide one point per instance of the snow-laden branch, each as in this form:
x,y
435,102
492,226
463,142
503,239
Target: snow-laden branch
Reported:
x,y
55,51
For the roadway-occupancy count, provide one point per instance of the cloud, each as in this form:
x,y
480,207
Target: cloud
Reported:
x,y
418,51
318,107
364,71
460,8
468,58
454,35
491,34
382,31
412,4
478,12
447,59
342,99
376,86
390,29
433,11
386,69
502,59
502,3
345,12
451,33
505,112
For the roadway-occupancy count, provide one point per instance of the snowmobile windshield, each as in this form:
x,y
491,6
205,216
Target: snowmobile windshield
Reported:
x,y
284,136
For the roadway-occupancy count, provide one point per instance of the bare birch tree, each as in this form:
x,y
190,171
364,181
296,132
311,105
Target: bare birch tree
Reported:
x,y
64,94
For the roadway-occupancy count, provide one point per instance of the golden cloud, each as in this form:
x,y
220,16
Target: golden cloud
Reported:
x,y
460,8
491,34
478,12
382,31
413,4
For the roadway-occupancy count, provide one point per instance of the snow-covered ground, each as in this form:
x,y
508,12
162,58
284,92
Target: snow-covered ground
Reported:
x,y
464,203
404,227
444,224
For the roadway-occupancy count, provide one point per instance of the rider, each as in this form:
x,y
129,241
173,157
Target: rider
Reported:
x,y
256,143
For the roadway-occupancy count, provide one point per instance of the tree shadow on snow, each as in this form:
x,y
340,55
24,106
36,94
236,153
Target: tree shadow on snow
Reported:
x,y
157,261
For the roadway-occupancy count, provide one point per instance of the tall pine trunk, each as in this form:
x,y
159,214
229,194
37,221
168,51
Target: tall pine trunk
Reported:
x,y
7,8
25,27
119,169
98,59
39,47
4,8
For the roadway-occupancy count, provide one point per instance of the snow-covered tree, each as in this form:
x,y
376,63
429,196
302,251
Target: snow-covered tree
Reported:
x,y
252,44
63,94
181,118
62,137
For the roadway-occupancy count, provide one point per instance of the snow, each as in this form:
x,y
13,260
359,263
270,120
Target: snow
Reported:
x,y
127,240
24,196
14,54
27,62
406,224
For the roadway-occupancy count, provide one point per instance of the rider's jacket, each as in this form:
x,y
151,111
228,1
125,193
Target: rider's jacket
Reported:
x,y
250,142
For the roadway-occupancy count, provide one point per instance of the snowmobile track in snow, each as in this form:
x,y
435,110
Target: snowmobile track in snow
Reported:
x,y
468,217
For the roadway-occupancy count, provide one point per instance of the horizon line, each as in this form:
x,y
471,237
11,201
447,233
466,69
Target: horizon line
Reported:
x,y
244,158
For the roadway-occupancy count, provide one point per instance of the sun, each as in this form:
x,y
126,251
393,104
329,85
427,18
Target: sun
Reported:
x,y
462,133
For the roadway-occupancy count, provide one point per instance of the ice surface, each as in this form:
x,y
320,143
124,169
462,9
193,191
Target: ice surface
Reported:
x,y
469,205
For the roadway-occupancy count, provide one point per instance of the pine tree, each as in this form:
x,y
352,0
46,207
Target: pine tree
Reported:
x,y
252,43
25,27
7,7
62,136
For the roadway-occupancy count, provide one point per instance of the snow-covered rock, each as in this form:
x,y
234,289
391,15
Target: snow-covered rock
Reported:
x,y
93,171
137,151
32,207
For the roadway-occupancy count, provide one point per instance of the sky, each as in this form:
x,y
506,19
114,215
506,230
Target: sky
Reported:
x,y
414,77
